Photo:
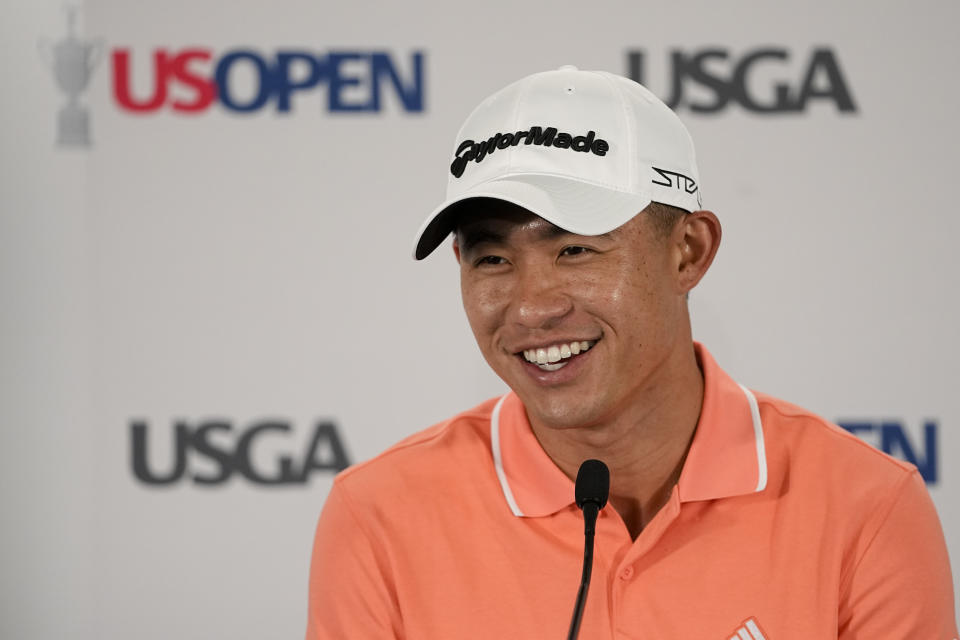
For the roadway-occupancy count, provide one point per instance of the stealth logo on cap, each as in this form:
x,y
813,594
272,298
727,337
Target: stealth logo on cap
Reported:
x,y
476,151
677,181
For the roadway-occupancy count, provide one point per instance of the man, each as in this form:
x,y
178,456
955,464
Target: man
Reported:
x,y
579,232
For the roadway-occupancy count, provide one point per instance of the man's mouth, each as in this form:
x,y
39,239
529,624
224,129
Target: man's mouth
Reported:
x,y
556,356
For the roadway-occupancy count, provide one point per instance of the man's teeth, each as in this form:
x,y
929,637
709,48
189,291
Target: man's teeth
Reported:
x,y
547,357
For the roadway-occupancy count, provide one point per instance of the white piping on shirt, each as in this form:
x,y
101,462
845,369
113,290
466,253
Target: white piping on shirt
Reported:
x,y
508,493
758,439
498,457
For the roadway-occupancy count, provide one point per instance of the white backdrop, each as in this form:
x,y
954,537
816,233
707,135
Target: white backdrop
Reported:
x,y
240,268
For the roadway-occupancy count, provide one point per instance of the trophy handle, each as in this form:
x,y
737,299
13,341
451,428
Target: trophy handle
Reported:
x,y
46,51
94,54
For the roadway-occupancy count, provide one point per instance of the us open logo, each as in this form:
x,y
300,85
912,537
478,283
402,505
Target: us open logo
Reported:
x,y
191,81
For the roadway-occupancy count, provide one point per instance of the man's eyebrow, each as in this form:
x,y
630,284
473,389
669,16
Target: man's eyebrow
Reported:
x,y
468,239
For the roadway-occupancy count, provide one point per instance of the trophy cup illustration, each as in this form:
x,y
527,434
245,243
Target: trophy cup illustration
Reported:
x,y
72,61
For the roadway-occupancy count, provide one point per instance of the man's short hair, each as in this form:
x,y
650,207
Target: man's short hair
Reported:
x,y
663,217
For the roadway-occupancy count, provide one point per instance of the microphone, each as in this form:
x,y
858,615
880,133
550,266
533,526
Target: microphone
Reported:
x,y
592,489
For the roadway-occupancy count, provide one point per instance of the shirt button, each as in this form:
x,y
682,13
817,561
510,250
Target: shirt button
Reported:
x,y
627,573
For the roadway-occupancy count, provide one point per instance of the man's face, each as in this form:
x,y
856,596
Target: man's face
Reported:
x,y
599,316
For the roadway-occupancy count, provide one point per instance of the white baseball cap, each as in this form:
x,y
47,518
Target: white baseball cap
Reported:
x,y
585,150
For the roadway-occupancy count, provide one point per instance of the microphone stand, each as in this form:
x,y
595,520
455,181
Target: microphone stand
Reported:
x,y
590,511
592,490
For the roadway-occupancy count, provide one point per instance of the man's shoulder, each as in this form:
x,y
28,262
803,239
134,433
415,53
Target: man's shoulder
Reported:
x,y
457,446
799,439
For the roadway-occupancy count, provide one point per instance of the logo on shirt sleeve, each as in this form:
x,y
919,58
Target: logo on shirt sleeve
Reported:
x,y
749,630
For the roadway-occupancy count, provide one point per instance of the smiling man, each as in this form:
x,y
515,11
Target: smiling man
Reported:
x,y
592,334
574,201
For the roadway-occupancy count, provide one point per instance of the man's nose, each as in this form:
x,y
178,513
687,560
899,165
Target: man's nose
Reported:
x,y
541,299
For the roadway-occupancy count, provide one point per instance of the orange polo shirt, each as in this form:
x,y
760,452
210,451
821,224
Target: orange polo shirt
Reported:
x,y
782,526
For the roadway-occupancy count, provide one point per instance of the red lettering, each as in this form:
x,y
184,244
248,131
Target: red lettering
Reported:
x,y
121,81
204,88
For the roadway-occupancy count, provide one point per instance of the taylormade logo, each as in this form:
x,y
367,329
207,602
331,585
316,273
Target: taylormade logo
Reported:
x,y
549,137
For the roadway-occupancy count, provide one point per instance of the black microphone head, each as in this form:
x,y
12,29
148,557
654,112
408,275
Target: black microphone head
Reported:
x,y
593,483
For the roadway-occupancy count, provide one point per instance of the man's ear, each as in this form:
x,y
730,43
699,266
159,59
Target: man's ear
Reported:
x,y
456,248
697,240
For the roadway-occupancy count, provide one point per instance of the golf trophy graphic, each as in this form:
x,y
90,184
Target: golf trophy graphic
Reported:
x,y
72,61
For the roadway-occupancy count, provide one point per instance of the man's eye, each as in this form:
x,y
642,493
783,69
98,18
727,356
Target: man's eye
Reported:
x,y
574,251
491,260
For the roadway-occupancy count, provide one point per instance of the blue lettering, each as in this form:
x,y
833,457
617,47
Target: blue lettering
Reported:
x,y
895,440
285,85
338,81
382,71
410,94
355,80
265,85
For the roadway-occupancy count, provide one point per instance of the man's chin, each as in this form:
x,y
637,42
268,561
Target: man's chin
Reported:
x,y
558,413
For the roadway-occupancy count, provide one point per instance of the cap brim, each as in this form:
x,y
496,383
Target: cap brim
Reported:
x,y
575,206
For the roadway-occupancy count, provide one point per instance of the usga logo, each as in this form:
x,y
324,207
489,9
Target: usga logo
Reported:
x,y
223,452
765,80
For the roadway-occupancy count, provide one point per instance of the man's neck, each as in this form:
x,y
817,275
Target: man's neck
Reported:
x,y
644,446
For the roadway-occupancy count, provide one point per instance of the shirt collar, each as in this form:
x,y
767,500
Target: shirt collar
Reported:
x,y
726,458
